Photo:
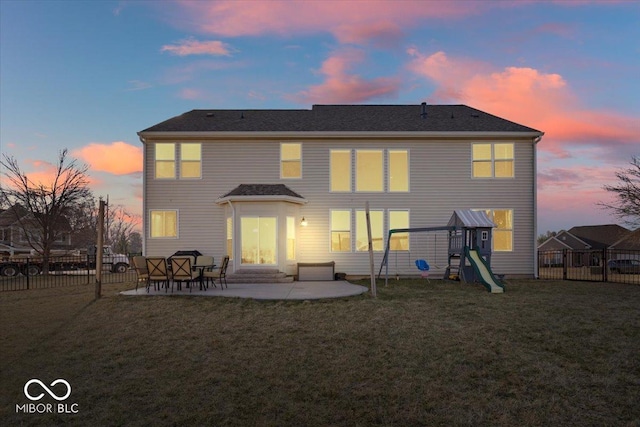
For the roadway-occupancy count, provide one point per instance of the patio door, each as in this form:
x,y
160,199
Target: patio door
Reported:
x,y
258,240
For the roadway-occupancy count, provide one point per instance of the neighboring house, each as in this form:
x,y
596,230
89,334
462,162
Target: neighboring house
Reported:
x,y
243,183
580,240
12,234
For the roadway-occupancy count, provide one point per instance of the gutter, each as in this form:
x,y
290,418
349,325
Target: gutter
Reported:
x,y
536,140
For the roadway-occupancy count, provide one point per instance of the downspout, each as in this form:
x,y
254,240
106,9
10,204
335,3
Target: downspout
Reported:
x,y
536,273
144,194
233,234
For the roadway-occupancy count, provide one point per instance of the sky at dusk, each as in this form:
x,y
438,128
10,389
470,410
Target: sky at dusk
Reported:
x,y
88,75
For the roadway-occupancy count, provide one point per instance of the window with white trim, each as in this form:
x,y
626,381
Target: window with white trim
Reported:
x,y
341,230
369,170
340,170
377,230
190,160
163,224
290,160
493,160
398,170
165,160
291,238
399,219
503,232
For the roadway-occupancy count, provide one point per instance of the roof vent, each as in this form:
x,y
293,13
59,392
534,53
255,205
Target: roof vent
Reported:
x,y
423,113
242,114
210,114
475,115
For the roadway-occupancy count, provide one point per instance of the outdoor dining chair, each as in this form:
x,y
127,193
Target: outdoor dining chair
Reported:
x,y
140,265
182,272
220,273
158,273
204,263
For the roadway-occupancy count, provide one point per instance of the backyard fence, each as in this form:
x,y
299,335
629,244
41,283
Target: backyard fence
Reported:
x,y
21,274
602,265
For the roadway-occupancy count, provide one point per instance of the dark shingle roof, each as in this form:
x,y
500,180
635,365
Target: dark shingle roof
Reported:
x,y
342,118
262,190
600,236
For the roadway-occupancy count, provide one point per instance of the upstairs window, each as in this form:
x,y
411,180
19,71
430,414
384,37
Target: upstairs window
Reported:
x,y
290,160
493,160
165,158
340,174
190,161
398,170
369,173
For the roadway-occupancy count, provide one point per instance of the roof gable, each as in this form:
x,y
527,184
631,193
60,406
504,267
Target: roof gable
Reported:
x,y
343,118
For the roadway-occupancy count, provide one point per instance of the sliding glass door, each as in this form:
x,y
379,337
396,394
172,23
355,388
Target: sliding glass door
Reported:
x,y
259,240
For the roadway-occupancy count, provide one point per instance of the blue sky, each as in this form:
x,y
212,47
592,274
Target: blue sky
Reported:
x,y
88,75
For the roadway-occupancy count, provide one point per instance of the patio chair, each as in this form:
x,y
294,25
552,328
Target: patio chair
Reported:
x,y
140,265
204,263
220,273
182,271
158,273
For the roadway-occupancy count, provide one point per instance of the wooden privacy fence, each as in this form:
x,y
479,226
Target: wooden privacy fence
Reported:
x,y
600,265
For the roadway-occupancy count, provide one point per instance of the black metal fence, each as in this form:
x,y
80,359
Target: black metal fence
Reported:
x,y
603,265
26,273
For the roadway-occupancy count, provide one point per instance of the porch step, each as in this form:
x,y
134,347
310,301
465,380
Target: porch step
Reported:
x,y
270,275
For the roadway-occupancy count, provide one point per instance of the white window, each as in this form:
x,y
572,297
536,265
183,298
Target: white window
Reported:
x,y
503,232
291,237
341,230
369,173
290,160
164,224
377,231
493,160
340,174
230,237
190,161
165,158
398,170
399,219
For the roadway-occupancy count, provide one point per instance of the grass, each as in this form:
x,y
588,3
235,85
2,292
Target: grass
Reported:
x,y
544,353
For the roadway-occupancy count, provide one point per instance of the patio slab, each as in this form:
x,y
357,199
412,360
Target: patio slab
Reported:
x,y
266,291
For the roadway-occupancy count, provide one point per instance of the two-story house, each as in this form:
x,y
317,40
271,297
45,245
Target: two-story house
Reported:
x,y
272,188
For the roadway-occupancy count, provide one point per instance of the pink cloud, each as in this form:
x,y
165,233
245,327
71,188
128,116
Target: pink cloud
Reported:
x,y
358,21
195,47
525,95
118,158
340,86
188,93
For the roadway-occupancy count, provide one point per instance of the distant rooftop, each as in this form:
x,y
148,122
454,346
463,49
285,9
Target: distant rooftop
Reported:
x,y
343,118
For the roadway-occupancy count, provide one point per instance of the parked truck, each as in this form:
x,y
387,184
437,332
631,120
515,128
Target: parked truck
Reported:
x,y
32,264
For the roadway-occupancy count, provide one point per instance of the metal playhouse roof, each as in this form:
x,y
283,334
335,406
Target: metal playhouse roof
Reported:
x,y
466,218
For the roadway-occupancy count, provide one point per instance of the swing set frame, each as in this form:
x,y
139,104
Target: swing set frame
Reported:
x,y
385,258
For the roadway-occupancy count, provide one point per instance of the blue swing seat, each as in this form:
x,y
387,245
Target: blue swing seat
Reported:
x,y
423,266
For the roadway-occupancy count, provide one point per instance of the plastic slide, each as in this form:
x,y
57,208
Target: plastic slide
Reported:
x,y
484,272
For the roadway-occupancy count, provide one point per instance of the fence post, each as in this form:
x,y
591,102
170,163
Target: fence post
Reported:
x,y
27,271
605,263
564,264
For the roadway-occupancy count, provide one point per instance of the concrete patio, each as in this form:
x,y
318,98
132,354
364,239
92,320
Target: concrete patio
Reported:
x,y
263,291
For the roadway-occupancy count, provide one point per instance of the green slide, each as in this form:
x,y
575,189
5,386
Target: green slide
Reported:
x,y
484,272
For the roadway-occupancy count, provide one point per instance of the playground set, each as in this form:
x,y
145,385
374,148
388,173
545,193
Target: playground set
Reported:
x,y
469,250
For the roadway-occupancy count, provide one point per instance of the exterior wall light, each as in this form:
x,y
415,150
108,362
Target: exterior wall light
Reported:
x,y
303,222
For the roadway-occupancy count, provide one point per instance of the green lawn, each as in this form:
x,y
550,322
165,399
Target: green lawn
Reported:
x,y
445,353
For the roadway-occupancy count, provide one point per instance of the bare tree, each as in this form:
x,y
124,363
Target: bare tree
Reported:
x,y
121,225
627,193
47,205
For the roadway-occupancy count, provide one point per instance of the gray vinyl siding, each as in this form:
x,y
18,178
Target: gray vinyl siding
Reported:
x,y
440,181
